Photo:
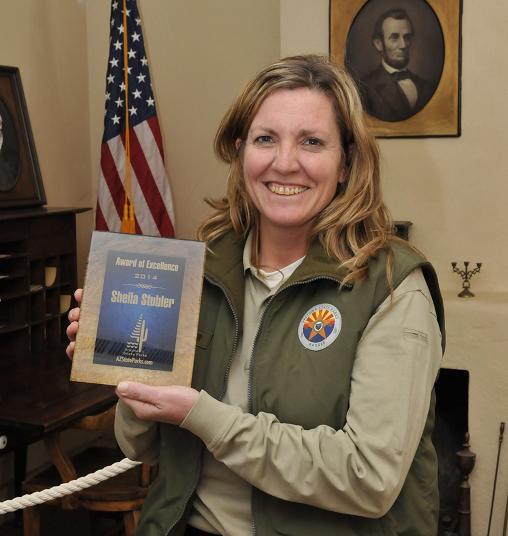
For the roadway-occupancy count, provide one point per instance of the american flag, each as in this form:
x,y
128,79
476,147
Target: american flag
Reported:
x,y
148,188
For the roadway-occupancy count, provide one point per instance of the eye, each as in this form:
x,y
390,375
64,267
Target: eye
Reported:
x,y
313,142
263,140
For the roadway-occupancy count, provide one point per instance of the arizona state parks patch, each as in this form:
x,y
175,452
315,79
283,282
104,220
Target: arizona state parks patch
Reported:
x,y
320,326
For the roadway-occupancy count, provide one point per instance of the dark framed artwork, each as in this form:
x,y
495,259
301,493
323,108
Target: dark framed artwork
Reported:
x,y
20,177
405,58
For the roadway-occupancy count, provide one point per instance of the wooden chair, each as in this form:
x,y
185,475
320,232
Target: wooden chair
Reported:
x,y
123,493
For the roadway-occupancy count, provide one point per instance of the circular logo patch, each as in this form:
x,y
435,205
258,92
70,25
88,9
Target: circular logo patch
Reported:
x,y
320,326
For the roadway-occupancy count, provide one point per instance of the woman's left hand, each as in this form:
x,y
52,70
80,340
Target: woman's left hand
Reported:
x,y
169,404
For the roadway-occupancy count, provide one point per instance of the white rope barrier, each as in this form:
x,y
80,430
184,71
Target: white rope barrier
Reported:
x,y
67,488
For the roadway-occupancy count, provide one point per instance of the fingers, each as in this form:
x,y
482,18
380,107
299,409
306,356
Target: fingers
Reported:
x,y
72,330
142,399
138,391
73,315
78,295
169,404
70,350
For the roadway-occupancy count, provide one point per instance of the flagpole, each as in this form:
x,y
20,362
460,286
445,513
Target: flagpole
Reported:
x,y
128,221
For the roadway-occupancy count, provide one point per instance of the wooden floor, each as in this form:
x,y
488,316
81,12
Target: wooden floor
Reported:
x,y
56,522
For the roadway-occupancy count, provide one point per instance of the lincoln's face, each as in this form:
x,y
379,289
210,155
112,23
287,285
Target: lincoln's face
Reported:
x,y
396,42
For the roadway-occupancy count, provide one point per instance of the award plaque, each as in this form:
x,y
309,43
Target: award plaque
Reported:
x,y
140,309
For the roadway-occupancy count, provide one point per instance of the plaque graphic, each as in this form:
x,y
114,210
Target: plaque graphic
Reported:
x,y
140,310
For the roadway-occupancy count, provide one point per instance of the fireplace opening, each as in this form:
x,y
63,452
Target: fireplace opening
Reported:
x,y
448,437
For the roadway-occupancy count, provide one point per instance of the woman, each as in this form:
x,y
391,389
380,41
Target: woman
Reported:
x,y
312,404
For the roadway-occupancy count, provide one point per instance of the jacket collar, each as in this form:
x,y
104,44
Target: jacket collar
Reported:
x,y
224,267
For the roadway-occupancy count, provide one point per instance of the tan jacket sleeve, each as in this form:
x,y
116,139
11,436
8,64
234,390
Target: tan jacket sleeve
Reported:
x,y
359,469
138,440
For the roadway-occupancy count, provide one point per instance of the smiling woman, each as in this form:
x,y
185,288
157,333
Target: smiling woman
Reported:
x,y
284,99
311,408
292,163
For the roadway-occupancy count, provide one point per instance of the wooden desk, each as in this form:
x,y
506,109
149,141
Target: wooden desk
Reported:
x,y
37,398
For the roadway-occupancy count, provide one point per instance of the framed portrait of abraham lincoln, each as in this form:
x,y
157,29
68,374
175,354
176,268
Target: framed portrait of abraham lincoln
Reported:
x,y
20,178
405,58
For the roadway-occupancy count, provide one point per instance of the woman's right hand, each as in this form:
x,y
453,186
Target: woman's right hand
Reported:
x,y
73,327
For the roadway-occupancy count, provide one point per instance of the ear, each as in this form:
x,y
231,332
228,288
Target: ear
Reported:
x,y
378,45
238,143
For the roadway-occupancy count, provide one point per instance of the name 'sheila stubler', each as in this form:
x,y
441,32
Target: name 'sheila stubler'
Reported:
x,y
148,300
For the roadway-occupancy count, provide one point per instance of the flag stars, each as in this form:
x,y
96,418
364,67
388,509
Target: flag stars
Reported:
x,y
133,111
115,5
117,45
108,96
150,101
110,79
113,62
131,53
128,12
144,61
119,102
122,86
141,77
138,21
129,69
136,94
116,120
135,37
120,28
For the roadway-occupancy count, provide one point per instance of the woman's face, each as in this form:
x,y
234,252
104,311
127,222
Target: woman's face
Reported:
x,y
292,159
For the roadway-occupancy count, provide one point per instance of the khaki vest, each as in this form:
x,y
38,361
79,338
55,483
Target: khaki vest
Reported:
x,y
285,381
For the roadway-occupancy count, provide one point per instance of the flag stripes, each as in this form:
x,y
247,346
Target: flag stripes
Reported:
x,y
149,190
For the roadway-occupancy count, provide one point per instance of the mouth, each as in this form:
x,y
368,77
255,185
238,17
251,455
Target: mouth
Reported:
x,y
286,190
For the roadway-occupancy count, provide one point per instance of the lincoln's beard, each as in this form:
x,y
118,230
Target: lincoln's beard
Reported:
x,y
397,63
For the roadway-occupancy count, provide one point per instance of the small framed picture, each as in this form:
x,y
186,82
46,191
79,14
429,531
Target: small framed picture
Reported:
x,y
405,58
20,177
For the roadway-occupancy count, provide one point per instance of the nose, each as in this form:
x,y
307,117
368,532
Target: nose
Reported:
x,y
401,44
285,159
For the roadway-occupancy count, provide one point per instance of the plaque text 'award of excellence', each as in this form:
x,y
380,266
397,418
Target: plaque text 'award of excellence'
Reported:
x,y
140,310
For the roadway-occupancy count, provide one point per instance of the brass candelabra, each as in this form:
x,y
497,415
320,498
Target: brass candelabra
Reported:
x,y
466,275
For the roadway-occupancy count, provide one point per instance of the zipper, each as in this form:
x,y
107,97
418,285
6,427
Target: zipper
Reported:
x,y
260,325
188,496
236,338
253,355
226,376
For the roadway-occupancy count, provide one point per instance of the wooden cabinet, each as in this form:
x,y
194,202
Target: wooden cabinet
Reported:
x,y
37,277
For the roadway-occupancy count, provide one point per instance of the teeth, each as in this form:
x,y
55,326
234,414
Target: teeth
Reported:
x,y
286,190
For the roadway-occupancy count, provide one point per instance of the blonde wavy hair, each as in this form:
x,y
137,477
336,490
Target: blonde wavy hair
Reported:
x,y
356,224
